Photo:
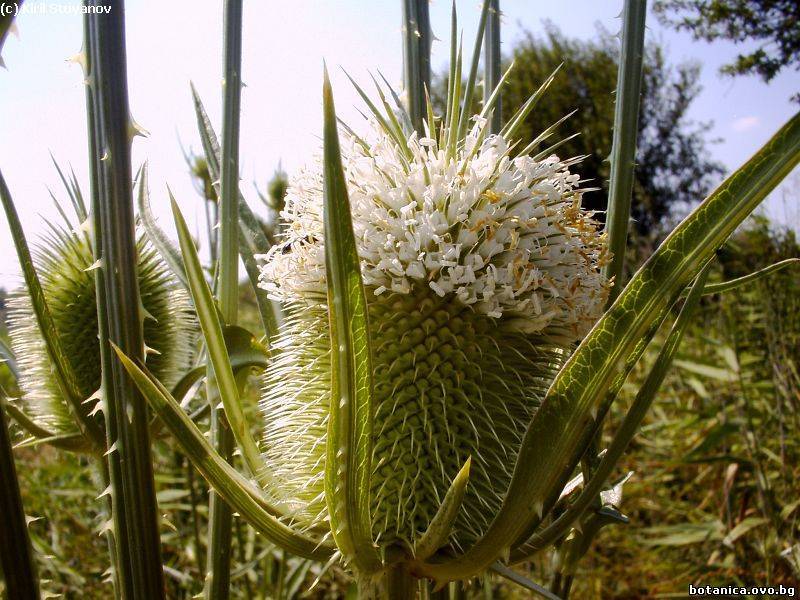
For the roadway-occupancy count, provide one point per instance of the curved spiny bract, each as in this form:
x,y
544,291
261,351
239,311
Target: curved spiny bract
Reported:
x,y
64,262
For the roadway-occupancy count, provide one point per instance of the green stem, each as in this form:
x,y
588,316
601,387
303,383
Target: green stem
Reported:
x,y
16,554
416,58
623,156
240,542
190,483
623,145
220,515
103,478
120,320
396,583
491,60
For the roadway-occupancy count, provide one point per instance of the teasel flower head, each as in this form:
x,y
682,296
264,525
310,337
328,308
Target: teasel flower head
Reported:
x,y
481,271
65,264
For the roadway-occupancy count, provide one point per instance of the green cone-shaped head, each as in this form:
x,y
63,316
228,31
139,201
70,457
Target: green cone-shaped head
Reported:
x,y
63,259
481,271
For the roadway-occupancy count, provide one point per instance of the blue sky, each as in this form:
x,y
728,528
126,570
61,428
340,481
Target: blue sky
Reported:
x,y
172,43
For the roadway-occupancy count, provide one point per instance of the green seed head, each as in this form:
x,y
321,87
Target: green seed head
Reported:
x,y
63,261
449,384
480,271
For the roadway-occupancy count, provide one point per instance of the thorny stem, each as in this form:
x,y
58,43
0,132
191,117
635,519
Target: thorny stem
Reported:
x,y
220,515
134,514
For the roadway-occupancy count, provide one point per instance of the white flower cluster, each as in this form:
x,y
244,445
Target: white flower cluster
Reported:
x,y
503,235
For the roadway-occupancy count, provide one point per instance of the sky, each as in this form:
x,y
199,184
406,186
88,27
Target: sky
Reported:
x,y
171,43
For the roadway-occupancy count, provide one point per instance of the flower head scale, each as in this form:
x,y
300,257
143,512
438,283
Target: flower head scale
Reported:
x,y
481,270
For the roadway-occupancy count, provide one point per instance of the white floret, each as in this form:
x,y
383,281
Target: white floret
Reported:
x,y
504,235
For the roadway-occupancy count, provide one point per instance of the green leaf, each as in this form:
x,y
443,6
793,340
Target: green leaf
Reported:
x,y
208,317
452,77
561,428
491,104
438,531
237,491
711,439
727,286
684,534
452,115
522,581
391,130
708,371
742,527
7,358
244,352
510,129
73,191
24,421
348,464
787,510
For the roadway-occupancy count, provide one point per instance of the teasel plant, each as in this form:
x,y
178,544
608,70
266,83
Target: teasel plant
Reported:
x,y
444,329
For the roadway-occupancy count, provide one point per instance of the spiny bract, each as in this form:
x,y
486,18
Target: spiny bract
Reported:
x,y
63,259
481,270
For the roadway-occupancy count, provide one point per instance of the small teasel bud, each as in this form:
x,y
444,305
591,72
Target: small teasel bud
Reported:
x,y
65,264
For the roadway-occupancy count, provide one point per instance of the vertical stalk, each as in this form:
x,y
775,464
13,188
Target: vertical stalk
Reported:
x,y
194,500
396,583
491,64
16,554
104,467
416,58
220,515
133,499
623,156
623,145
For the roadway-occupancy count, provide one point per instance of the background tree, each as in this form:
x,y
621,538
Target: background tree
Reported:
x,y
773,25
674,168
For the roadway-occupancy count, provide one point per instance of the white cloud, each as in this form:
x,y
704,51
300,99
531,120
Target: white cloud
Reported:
x,y
746,123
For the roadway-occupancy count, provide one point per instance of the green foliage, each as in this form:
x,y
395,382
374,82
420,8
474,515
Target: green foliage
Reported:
x,y
714,496
771,25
